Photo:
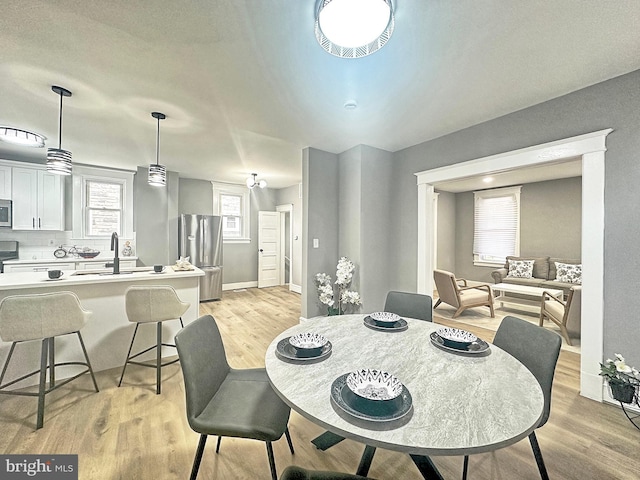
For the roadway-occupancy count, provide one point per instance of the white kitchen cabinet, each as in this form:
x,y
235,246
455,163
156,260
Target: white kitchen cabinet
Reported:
x,y
38,199
5,182
38,267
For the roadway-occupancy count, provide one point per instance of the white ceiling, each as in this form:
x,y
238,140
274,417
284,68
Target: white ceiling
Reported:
x,y
246,87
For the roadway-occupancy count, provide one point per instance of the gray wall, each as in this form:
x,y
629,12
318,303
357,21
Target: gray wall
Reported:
x,y
155,219
195,196
550,225
358,179
320,220
611,104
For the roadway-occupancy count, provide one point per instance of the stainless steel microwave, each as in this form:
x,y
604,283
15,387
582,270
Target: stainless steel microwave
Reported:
x,y
5,213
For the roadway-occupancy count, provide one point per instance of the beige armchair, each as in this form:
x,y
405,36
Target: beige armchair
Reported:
x,y
455,292
565,314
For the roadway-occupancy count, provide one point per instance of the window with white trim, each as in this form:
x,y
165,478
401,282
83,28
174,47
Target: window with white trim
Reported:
x,y
232,203
496,231
103,208
103,202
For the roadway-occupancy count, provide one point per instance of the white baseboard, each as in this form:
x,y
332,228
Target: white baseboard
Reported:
x,y
236,286
295,288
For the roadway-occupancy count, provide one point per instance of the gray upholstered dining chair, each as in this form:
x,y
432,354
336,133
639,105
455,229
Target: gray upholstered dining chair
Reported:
x,y
224,401
565,314
538,350
461,297
294,472
410,305
44,317
152,304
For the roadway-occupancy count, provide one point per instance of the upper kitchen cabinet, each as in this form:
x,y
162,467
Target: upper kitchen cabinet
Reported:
x,y
38,199
5,182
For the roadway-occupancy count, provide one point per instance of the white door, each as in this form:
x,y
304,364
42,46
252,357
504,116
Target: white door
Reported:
x,y
268,249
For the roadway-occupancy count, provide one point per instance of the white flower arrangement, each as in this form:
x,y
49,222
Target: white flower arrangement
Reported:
x,y
346,298
618,371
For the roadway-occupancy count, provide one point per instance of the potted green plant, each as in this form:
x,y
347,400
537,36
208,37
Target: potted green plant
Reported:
x,y
623,380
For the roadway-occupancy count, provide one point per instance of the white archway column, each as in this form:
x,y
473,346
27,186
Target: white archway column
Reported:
x,y
591,147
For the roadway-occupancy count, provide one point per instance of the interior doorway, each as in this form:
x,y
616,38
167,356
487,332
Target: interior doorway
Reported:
x,y
591,148
286,243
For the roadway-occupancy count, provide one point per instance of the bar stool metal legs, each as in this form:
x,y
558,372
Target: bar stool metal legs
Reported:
x,y
47,363
158,363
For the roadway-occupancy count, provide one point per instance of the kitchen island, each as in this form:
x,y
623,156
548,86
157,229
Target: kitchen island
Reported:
x,y
108,332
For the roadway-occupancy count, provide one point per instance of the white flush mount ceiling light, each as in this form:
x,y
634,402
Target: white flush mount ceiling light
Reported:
x,y
157,173
17,136
59,160
252,181
354,28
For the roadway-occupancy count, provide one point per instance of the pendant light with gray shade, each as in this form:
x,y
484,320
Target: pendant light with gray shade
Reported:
x,y
157,172
59,160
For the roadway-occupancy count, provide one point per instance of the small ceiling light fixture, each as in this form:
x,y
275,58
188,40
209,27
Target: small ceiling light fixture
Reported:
x,y
354,28
252,181
59,160
21,137
157,172
350,105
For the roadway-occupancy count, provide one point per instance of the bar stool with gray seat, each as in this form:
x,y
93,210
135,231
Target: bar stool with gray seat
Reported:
x,y
152,304
44,317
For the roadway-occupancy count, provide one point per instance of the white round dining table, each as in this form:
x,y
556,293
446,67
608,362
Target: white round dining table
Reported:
x,y
462,403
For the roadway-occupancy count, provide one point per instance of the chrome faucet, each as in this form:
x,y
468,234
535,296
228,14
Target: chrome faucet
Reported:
x,y
116,259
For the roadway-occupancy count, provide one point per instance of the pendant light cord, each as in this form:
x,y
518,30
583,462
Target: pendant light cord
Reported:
x,y
158,143
60,125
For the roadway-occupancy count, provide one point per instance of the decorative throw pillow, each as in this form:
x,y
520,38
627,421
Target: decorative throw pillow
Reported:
x,y
569,273
520,268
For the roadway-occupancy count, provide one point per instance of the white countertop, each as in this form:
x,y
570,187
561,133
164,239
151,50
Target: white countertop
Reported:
x,y
22,280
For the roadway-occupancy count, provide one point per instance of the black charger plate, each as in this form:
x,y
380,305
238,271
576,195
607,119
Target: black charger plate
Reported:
x,y
477,347
398,326
371,410
286,350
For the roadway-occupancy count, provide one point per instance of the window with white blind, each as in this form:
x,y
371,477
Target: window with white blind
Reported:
x,y
231,202
496,231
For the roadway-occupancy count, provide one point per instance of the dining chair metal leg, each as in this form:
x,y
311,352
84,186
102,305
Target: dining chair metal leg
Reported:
x,y
198,458
272,461
426,467
218,444
128,353
158,357
288,435
365,461
465,467
538,455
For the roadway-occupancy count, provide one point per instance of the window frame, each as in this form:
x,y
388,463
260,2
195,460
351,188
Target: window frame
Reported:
x,y
81,176
480,260
242,191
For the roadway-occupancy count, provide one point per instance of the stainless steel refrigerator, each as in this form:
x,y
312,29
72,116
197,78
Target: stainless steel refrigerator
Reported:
x,y
200,238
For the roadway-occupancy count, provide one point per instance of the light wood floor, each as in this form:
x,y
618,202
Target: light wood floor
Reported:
x,y
131,433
